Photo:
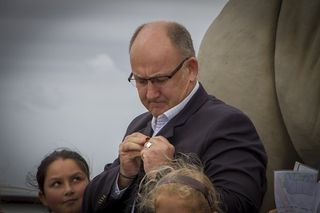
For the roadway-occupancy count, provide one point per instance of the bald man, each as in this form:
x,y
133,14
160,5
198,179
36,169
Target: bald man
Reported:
x,y
181,118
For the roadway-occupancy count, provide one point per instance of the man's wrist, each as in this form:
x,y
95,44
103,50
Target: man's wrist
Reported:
x,y
124,181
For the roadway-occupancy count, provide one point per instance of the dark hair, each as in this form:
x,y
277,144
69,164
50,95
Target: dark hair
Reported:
x,y
177,33
59,154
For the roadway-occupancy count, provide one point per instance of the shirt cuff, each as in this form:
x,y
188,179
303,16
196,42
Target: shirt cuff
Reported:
x,y
116,192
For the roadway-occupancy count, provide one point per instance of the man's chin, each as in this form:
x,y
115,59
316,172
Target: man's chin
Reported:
x,y
156,112
156,109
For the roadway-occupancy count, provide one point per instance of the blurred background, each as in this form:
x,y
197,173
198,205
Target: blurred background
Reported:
x,y
63,77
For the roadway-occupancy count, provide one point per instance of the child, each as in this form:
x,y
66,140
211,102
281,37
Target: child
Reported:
x,y
62,178
180,186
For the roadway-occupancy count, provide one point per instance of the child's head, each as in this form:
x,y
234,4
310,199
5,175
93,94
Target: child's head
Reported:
x,y
178,187
62,178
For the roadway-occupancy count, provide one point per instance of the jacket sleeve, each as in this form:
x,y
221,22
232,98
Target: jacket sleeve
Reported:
x,y
98,191
97,197
236,161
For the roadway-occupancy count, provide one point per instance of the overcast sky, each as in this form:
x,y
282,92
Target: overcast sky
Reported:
x,y
63,71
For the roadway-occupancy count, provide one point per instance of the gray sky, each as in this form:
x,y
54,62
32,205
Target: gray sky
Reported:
x,y
63,71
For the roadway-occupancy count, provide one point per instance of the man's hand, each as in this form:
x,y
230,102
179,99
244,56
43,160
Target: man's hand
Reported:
x,y
129,155
157,151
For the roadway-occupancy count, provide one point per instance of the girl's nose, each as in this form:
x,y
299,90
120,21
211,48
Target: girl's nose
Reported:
x,y
68,189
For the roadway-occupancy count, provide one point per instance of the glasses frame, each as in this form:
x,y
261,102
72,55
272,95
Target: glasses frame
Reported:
x,y
164,79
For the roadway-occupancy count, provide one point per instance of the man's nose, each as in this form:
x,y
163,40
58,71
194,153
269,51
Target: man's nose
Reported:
x,y
152,90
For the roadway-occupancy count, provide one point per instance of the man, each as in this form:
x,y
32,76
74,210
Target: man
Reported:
x,y
181,118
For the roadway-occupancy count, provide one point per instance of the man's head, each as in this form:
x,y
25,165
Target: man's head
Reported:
x,y
163,65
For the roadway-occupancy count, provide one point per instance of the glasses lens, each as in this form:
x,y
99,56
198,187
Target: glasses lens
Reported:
x,y
159,81
131,79
156,81
133,82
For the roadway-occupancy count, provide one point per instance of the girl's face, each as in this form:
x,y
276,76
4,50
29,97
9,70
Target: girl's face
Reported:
x,y
64,186
168,203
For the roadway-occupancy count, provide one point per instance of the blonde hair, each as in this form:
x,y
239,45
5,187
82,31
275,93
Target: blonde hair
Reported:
x,y
182,177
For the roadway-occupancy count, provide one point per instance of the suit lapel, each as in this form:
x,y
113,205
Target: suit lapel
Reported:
x,y
198,99
147,130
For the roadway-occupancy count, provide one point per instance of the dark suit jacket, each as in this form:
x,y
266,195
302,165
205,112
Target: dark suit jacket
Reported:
x,y
224,139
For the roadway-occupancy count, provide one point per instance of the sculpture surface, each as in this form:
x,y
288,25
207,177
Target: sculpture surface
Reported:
x,y
264,58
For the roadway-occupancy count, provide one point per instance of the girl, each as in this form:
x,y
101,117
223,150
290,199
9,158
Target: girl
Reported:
x,y
62,178
180,187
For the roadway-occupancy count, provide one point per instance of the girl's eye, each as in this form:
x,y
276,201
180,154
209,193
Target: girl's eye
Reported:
x,y
55,184
77,178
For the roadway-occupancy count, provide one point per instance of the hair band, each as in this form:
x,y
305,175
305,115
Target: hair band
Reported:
x,y
188,181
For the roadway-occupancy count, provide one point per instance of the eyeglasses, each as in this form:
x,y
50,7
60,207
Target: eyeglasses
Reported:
x,y
156,81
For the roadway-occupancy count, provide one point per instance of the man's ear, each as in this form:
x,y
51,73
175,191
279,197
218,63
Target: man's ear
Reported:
x,y
42,198
193,68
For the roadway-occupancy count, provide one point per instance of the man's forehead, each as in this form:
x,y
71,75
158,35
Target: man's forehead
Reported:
x,y
152,35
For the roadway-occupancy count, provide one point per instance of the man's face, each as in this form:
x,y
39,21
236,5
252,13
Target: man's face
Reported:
x,y
167,86
153,57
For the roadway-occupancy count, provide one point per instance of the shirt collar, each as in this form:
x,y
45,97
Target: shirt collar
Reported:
x,y
169,114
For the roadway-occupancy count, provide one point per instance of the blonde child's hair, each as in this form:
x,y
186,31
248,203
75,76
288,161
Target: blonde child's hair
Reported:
x,y
182,177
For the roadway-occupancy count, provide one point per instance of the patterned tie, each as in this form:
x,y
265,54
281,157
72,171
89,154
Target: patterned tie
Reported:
x,y
160,122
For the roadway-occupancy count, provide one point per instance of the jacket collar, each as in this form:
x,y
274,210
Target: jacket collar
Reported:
x,y
198,99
